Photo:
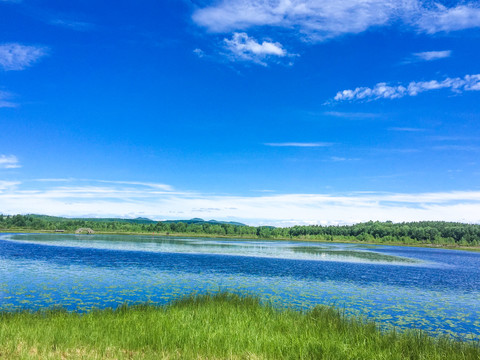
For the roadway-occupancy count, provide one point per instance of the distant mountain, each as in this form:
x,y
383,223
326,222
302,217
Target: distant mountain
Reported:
x,y
138,220
201,221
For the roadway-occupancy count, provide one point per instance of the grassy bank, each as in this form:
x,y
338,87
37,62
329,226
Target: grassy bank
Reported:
x,y
213,327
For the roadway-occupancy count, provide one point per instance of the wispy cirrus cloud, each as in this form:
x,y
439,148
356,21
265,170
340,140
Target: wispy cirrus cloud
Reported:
x,y
445,19
352,115
14,56
56,19
454,147
157,186
5,101
432,55
406,129
454,138
8,185
385,91
9,162
199,52
341,159
317,20
72,24
300,144
152,185
129,200
313,21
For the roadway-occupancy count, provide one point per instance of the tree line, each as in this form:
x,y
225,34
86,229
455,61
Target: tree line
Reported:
x,y
428,232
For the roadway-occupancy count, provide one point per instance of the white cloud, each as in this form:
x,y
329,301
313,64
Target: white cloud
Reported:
x,y
130,200
73,24
158,186
15,56
316,19
319,20
380,90
340,159
443,19
433,55
299,144
406,129
351,115
199,52
4,100
9,162
385,91
7,185
458,148
454,138
244,47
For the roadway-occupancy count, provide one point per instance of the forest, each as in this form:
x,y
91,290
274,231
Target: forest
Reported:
x,y
422,232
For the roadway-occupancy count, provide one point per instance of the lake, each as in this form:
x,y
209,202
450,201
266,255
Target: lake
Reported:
x,y
436,290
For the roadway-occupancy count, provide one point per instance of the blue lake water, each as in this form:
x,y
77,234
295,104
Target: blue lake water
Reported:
x,y
432,289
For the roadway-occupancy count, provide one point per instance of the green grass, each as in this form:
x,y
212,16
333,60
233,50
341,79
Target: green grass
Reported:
x,y
221,326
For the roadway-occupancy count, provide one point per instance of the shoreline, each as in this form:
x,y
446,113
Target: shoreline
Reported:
x,y
472,248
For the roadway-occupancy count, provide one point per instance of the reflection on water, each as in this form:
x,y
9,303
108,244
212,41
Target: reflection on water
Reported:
x,y
350,255
284,250
436,290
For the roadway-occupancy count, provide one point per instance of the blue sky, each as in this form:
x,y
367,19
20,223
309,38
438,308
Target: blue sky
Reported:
x,y
274,112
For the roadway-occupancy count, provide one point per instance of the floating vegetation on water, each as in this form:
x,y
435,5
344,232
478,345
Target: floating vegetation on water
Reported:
x,y
438,291
216,326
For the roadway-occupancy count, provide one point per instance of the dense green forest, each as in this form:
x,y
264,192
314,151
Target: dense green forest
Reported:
x,y
425,232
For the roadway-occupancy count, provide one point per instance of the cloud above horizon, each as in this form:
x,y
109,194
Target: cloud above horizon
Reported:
x,y
444,19
243,47
384,91
406,129
299,144
132,199
321,20
9,161
72,24
432,55
5,102
14,56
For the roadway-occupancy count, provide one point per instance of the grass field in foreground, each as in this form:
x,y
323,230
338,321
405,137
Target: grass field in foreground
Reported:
x,y
221,326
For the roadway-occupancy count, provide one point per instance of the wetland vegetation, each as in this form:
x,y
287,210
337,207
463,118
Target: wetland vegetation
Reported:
x,y
275,299
222,326
435,290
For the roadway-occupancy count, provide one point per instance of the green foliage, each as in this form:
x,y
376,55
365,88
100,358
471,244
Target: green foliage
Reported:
x,y
424,232
222,326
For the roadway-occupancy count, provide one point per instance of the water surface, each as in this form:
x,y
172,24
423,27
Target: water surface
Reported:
x,y
433,289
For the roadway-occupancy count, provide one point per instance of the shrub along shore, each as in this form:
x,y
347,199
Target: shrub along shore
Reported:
x,y
221,326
